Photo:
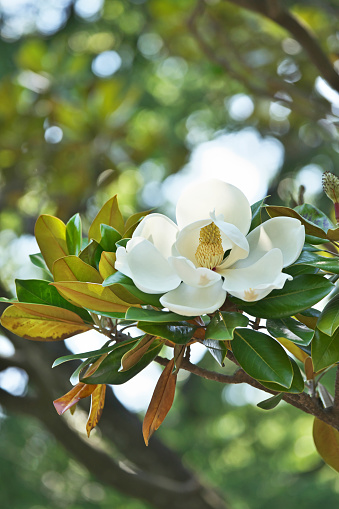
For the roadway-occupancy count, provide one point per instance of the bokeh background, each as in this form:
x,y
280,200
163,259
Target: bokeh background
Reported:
x,y
140,98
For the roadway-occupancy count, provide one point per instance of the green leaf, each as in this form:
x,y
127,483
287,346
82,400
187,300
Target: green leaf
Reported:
x,y
109,236
74,235
313,259
92,254
314,216
262,357
38,291
124,288
328,321
222,325
325,349
84,355
256,209
297,385
291,329
179,333
123,242
108,371
151,315
38,260
296,296
270,403
217,349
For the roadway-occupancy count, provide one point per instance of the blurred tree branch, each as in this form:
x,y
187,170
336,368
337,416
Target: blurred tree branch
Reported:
x,y
276,11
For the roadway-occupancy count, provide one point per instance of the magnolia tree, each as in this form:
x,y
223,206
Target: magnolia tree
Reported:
x,y
223,277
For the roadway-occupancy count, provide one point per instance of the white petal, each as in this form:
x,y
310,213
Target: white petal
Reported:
x,y
190,301
121,262
160,230
148,269
284,233
258,280
188,239
239,244
191,275
204,197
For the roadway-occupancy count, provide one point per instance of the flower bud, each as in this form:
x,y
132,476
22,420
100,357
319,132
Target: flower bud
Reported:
x,y
331,188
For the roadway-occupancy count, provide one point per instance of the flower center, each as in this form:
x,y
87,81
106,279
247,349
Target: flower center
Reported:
x,y
210,252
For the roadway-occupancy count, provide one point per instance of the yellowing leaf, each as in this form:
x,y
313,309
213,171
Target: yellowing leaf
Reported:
x,y
161,402
309,321
106,264
326,440
97,406
71,268
91,296
294,349
72,397
42,323
109,214
50,233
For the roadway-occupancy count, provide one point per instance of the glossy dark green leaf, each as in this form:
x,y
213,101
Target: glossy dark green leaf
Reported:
x,y
74,235
151,315
179,332
256,209
123,242
291,329
124,288
222,325
328,321
92,254
109,236
217,349
297,385
38,291
270,403
297,295
115,315
262,357
325,349
313,259
297,270
108,371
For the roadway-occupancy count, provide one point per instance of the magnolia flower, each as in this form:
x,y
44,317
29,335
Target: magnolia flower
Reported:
x,y
209,252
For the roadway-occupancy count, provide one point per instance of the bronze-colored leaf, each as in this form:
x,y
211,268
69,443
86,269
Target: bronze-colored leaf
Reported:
x,y
161,402
326,440
309,370
72,397
72,268
97,406
134,355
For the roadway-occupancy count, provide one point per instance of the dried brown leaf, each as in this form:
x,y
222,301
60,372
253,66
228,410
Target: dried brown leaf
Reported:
x,y
161,402
97,406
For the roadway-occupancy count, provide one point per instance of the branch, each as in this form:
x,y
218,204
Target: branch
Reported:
x,y
275,11
302,401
